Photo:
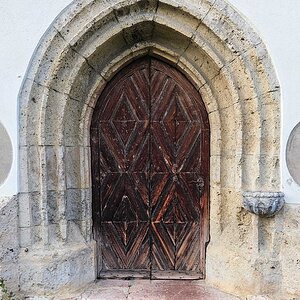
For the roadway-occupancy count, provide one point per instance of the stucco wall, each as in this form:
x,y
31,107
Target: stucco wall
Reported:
x,y
22,25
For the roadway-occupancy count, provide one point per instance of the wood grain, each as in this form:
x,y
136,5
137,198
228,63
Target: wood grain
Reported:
x,y
150,174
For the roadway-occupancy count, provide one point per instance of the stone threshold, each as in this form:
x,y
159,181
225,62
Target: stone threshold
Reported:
x,y
142,289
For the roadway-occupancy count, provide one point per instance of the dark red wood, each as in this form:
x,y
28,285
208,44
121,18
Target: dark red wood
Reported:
x,y
179,125
150,174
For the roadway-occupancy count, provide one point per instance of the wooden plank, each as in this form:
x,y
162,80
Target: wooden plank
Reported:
x,y
125,274
176,275
177,183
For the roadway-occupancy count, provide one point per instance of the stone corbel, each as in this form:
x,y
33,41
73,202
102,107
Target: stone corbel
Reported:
x,y
265,204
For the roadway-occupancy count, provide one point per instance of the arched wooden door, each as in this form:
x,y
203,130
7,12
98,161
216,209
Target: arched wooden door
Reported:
x,y
150,174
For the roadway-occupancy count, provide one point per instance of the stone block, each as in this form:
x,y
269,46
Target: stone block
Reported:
x,y
222,273
31,99
95,92
224,89
97,33
57,270
74,204
162,52
290,252
123,58
226,23
85,124
170,39
194,75
85,167
216,134
72,122
51,120
259,61
29,159
210,102
270,129
55,167
24,210
251,172
56,206
52,47
269,173
86,81
72,162
196,8
217,49
137,33
243,79
68,67
231,125
76,231
202,62
176,19
215,170
84,21
135,12
106,50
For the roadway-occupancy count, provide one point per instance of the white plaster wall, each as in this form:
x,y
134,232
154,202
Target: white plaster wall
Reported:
x,y
24,22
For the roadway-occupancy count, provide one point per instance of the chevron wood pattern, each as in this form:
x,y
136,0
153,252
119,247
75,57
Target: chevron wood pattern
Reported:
x,y
150,173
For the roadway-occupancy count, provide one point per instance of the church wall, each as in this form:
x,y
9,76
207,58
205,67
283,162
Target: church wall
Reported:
x,y
268,248
277,22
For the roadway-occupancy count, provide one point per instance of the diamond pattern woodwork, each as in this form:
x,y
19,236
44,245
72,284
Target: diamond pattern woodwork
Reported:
x,y
150,152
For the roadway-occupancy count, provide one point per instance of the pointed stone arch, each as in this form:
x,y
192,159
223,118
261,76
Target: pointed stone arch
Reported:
x,y
84,47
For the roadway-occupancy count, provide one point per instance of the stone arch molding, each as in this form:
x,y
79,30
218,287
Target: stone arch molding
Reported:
x,y
83,48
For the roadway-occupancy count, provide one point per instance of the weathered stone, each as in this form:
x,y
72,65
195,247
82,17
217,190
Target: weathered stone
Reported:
x,y
72,162
290,252
55,168
9,249
106,49
263,203
32,167
201,62
170,39
74,205
50,50
181,22
59,269
72,120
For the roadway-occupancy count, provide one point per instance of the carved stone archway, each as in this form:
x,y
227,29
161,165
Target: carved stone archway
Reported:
x,y
83,48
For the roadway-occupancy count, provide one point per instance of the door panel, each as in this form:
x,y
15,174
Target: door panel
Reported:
x,y
176,133
122,124
150,174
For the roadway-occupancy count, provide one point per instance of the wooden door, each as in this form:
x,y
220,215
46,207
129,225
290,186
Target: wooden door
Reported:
x,y
150,174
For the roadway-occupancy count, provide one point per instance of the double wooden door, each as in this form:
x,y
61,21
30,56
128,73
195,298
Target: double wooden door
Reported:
x,y
150,174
